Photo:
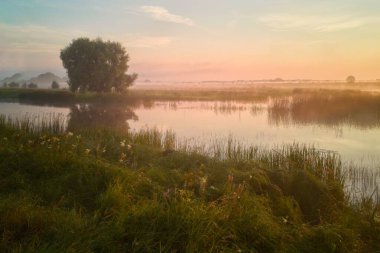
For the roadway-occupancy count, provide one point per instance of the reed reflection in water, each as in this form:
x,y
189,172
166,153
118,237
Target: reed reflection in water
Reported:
x,y
348,123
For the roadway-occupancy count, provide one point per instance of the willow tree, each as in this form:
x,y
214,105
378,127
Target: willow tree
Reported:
x,y
96,65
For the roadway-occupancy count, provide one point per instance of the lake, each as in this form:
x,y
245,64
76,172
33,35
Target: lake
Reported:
x,y
327,123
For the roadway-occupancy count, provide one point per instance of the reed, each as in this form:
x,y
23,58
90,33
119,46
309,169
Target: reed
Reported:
x,y
105,190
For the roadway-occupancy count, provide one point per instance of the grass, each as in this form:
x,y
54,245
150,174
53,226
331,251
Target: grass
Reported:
x,y
103,190
249,93
358,109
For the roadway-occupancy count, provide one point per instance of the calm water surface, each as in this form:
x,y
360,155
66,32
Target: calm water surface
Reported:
x,y
356,137
254,124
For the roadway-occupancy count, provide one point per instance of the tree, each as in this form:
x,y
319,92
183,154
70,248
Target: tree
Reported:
x,y
32,86
14,85
350,79
54,85
96,65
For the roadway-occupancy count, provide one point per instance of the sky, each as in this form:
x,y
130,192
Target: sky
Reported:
x,y
177,40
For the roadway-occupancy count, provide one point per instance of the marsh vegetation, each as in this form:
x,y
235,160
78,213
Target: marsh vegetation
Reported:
x,y
108,190
99,173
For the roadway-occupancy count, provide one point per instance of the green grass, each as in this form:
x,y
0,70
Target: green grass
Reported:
x,y
64,97
102,190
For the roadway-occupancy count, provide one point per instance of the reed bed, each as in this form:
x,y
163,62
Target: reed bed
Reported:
x,y
324,163
358,109
36,123
105,190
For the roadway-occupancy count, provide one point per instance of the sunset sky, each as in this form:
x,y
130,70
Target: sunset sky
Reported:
x,y
201,39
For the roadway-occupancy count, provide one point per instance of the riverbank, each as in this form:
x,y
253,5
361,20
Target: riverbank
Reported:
x,y
103,190
245,93
134,95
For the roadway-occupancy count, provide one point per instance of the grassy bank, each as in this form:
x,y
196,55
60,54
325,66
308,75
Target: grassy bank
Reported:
x,y
64,97
249,94
98,190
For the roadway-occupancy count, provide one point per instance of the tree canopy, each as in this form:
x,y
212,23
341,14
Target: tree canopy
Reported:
x,y
32,86
96,65
14,85
55,85
350,79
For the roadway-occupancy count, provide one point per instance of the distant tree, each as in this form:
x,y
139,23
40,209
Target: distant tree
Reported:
x,y
96,65
23,86
32,86
350,79
54,85
5,85
14,85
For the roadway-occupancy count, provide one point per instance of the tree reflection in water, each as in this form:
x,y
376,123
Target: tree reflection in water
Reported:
x,y
100,116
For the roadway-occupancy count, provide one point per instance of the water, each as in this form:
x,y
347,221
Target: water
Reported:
x,y
273,123
204,121
19,111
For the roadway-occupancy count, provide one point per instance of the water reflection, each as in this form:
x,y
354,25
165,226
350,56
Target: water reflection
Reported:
x,y
75,117
100,116
358,110
347,123
221,107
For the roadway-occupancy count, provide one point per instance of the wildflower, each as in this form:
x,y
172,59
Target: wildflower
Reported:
x,y
129,147
42,143
230,179
202,184
30,142
73,146
70,134
239,191
87,151
5,139
166,193
122,144
122,157
79,136
104,150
